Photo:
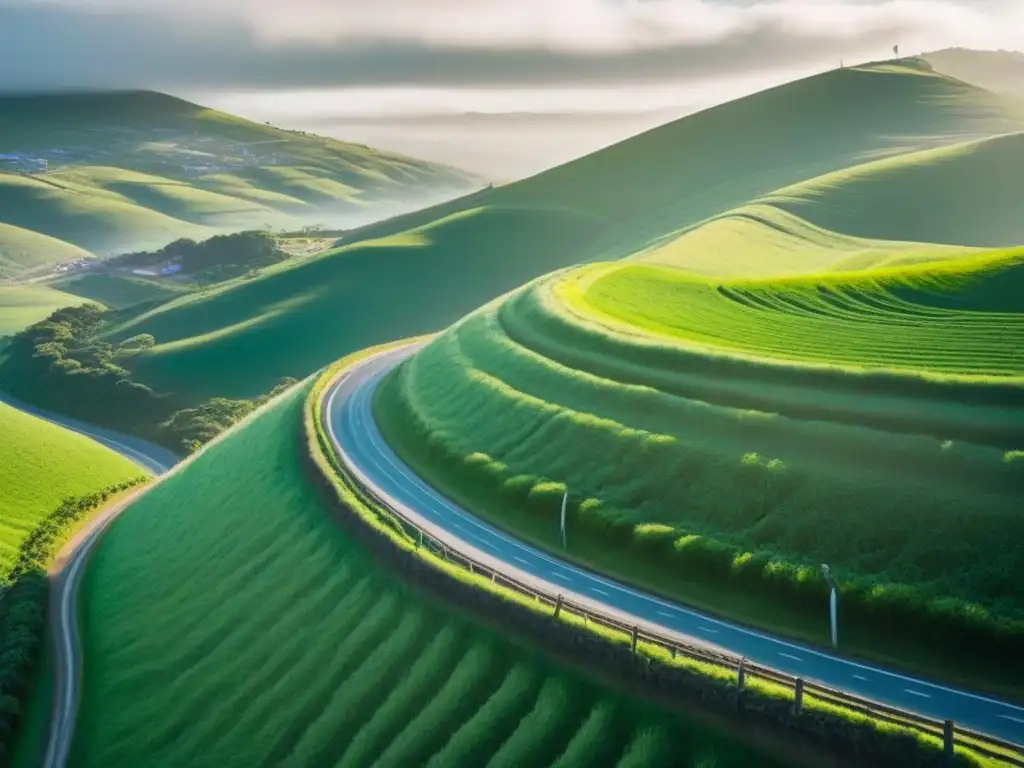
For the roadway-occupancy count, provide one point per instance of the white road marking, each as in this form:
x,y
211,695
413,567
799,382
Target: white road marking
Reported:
x,y
560,576
666,614
1014,719
597,591
519,559
709,630
917,693
790,656
860,677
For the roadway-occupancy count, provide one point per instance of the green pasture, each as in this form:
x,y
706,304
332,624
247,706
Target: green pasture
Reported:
x,y
40,465
227,619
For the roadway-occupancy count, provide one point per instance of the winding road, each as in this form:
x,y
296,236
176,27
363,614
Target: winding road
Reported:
x,y
66,575
348,418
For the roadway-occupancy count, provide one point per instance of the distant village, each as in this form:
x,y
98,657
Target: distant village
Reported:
x,y
189,154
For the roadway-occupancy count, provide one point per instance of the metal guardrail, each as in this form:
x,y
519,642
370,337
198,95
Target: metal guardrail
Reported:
x,y
945,730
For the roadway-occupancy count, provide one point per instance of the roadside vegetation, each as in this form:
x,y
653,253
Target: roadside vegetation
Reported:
x,y
315,655
720,440
23,609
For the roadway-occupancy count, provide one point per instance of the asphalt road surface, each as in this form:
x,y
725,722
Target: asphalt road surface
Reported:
x,y
350,424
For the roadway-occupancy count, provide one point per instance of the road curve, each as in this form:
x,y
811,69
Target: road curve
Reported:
x,y
66,575
348,419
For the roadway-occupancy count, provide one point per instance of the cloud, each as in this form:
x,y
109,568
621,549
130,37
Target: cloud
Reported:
x,y
294,43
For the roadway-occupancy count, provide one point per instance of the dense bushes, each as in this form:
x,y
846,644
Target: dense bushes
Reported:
x,y
62,364
219,258
23,607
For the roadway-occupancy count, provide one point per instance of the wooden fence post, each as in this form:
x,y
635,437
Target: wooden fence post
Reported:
x,y
634,640
558,606
741,674
948,739
798,696
420,543
673,649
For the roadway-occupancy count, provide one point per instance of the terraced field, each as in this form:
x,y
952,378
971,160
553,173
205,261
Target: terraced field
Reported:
x,y
719,440
228,620
40,465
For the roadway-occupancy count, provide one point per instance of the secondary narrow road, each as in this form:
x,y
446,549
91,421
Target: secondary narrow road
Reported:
x,y
66,575
349,422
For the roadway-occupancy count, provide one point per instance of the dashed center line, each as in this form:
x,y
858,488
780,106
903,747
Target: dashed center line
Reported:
x,y
519,559
1014,719
790,656
597,591
860,677
709,630
917,693
558,575
666,614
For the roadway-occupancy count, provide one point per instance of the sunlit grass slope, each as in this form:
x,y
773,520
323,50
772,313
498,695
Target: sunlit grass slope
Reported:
x,y
115,291
22,305
684,172
25,251
134,170
242,337
418,272
965,194
229,621
720,440
40,465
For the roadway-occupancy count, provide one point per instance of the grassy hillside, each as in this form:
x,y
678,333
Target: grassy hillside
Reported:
x,y
117,291
721,439
239,338
40,465
22,305
258,634
134,170
999,71
418,272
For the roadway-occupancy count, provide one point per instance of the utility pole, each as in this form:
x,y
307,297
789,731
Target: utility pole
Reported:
x,y
565,503
832,604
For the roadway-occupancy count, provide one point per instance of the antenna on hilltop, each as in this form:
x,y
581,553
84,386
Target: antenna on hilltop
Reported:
x,y
896,50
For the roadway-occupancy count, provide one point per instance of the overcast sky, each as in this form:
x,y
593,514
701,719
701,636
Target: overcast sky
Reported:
x,y
397,59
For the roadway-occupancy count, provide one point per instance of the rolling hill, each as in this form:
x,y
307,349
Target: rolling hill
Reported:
x,y
418,272
722,437
22,305
40,465
135,170
228,620
998,71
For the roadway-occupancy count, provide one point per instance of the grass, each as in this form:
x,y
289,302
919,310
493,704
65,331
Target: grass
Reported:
x,y
139,169
23,305
703,441
117,291
416,273
41,464
259,634
238,339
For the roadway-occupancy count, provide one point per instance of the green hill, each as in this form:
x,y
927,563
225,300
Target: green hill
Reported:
x,y
22,305
721,438
40,465
134,170
228,620
419,272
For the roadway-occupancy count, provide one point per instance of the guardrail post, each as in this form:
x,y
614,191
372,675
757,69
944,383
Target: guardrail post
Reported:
x,y
471,567
420,543
634,640
673,650
798,696
558,606
947,738
741,674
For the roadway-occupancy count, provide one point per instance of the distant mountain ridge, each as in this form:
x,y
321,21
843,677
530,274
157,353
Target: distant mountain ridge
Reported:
x,y
104,172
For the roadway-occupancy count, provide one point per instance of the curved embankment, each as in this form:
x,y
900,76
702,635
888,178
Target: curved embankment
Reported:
x,y
349,424
711,456
261,634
